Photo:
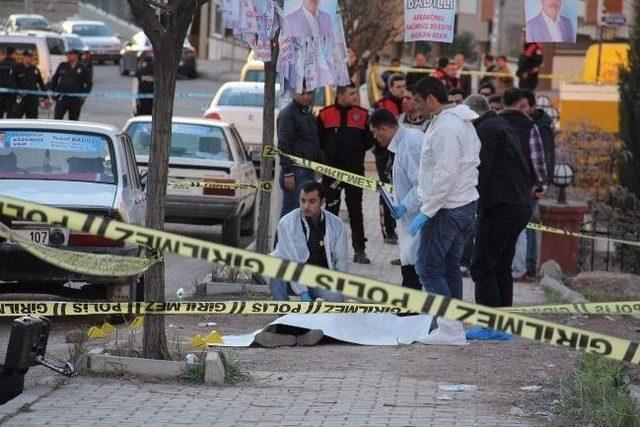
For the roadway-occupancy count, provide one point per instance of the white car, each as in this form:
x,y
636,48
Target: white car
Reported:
x,y
55,44
103,43
22,22
241,103
36,44
204,151
79,166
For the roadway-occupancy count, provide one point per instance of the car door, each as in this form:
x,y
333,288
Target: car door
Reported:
x,y
245,171
133,195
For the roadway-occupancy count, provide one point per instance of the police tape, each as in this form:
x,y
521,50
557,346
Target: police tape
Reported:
x,y
81,262
547,229
347,284
350,178
52,309
103,95
265,186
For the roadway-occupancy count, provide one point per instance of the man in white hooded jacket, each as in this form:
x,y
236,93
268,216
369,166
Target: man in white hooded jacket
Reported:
x,y
314,236
406,145
447,188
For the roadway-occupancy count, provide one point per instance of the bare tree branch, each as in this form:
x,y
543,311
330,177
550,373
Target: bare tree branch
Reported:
x,y
146,15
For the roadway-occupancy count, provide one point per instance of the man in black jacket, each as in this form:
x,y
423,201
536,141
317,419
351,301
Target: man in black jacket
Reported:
x,y
70,77
298,136
504,206
7,99
26,77
345,137
146,82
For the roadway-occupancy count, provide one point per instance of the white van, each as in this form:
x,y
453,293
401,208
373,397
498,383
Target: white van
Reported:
x,y
55,43
40,49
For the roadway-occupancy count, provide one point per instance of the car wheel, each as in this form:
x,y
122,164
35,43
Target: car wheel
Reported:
x,y
123,70
248,223
116,61
231,232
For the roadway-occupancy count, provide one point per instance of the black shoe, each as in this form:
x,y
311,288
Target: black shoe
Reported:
x,y
313,337
361,258
396,262
271,339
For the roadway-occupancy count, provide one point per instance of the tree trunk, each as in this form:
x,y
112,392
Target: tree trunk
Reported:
x,y
166,70
263,239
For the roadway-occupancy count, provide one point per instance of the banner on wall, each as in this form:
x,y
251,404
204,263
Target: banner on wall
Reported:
x,y
429,20
313,51
551,21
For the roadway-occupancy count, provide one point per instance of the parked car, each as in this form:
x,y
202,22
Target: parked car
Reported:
x,y
55,43
72,41
253,71
104,44
80,166
139,47
23,22
204,151
241,103
37,45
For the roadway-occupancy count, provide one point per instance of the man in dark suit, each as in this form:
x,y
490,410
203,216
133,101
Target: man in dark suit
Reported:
x,y
307,21
549,25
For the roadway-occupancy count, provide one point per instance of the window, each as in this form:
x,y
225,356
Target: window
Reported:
x,y
91,30
55,45
216,19
188,141
56,156
32,24
254,76
132,167
75,43
241,97
19,47
244,156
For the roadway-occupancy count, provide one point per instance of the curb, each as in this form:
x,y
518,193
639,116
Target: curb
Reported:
x,y
559,287
28,398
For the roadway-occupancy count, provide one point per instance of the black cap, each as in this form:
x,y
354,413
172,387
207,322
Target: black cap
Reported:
x,y
27,52
11,50
76,51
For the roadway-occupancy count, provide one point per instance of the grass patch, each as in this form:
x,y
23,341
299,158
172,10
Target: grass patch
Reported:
x,y
234,368
588,295
79,346
195,372
553,297
596,393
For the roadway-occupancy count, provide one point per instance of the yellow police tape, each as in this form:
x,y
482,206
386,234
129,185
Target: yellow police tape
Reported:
x,y
348,284
265,186
335,173
52,308
374,185
81,262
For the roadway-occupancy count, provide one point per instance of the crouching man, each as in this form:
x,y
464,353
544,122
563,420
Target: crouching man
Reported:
x,y
307,235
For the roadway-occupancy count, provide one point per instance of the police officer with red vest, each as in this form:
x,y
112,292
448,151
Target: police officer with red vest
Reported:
x,y
345,137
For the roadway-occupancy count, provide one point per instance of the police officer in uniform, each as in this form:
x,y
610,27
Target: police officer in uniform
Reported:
x,y
6,99
70,77
345,137
26,76
146,79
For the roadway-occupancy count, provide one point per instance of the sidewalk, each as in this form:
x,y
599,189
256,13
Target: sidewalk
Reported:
x,y
332,384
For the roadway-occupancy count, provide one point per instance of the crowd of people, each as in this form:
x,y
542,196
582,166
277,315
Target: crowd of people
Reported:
x,y
467,172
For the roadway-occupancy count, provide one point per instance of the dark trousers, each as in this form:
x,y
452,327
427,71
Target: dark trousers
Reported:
x,y
498,231
6,104
387,223
144,107
410,278
353,197
69,104
28,106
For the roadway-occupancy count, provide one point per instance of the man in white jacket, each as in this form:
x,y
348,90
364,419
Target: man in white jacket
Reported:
x,y
406,145
447,188
314,236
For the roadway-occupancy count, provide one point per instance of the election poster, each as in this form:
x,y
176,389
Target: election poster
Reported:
x,y
429,20
253,21
551,21
313,51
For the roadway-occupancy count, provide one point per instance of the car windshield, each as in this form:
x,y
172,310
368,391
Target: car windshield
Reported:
x,y
188,141
19,49
91,30
75,43
55,45
254,76
241,97
31,23
55,156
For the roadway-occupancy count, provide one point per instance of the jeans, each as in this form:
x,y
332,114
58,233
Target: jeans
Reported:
x,y
291,198
280,291
498,231
519,262
442,240
532,245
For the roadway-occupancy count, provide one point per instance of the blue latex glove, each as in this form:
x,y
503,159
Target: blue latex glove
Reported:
x,y
305,297
399,211
487,334
418,223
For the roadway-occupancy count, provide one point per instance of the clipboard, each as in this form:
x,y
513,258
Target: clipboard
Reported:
x,y
388,198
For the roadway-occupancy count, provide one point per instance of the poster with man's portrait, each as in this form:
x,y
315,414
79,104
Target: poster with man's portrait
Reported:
x,y
549,21
309,18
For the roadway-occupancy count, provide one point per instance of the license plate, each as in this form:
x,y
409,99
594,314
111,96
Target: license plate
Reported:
x,y
35,235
